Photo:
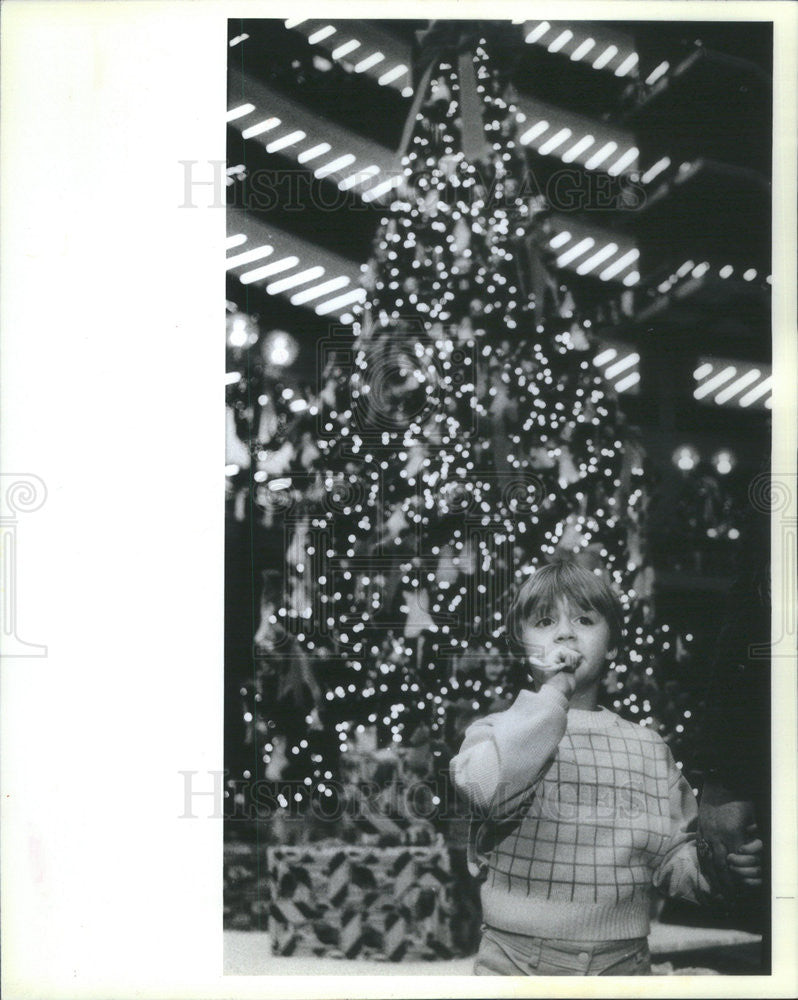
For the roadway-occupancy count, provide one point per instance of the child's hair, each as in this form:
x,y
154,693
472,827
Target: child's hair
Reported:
x,y
564,579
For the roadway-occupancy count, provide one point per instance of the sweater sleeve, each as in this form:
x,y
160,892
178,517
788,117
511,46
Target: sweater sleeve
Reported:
x,y
678,873
504,755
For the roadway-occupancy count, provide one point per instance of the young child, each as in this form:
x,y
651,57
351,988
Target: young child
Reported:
x,y
577,814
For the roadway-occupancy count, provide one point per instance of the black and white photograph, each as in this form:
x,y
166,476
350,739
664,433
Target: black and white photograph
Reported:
x,y
497,523
398,499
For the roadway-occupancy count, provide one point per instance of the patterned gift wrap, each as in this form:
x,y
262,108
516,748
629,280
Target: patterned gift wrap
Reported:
x,y
384,903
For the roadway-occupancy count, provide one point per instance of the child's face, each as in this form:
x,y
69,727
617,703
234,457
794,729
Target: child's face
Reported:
x,y
585,632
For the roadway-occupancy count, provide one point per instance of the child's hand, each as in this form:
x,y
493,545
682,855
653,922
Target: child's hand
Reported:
x,y
745,865
556,669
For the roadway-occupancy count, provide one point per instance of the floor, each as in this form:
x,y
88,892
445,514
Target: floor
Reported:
x,y
675,950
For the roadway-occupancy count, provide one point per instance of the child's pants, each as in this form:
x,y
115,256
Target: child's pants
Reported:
x,y
503,953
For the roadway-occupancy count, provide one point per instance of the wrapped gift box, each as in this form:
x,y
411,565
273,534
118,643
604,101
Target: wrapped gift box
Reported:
x,y
247,889
361,902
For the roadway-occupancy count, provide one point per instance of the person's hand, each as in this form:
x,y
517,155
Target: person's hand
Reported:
x,y
555,669
723,821
745,864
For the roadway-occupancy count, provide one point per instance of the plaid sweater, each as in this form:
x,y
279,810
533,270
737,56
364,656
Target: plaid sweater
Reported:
x,y
578,816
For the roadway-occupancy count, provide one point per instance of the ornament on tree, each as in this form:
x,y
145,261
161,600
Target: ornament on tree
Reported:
x,y
416,458
308,452
568,472
437,103
541,457
643,584
567,305
634,543
278,759
429,203
477,307
418,617
276,463
469,556
268,632
579,338
396,524
448,566
236,452
461,237
571,539
313,720
296,682
450,165
465,330
297,547
328,393
268,423
240,505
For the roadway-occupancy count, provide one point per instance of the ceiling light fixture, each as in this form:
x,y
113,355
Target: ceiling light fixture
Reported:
x,y
300,278
621,365
578,148
605,356
337,164
658,72
358,178
392,74
532,133
598,258
260,127
624,161
556,140
606,56
369,62
284,264
559,240
715,382
626,383
345,49
581,247
601,155
562,39
286,140
627,65
257,253
617,266
321,34
537,33
737,386
657,169
314,152
243,109
757,392
383,188
356,295
582,50
333,285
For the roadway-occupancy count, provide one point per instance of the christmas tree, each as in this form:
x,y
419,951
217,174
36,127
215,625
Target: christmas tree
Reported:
x,y
461,438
